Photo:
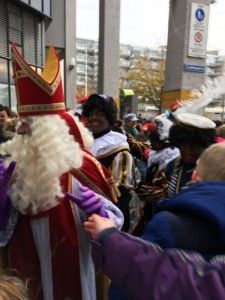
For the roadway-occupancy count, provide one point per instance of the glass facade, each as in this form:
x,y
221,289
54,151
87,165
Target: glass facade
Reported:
x,y
37,4
25,29
4,89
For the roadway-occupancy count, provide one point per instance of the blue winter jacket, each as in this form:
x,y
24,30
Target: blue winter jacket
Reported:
x,y
193,220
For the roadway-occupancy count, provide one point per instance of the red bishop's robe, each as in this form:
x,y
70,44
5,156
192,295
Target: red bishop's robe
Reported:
x,y
61,238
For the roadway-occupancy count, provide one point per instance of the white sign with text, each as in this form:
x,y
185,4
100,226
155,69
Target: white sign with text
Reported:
x,y
198,30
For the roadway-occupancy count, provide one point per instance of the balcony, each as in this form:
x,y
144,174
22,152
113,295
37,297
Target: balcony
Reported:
x,y
125,52
80,46
92,49
80,58
80,83
125,63
93,60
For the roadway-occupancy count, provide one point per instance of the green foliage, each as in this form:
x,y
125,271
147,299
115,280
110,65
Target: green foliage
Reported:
x,y
147,79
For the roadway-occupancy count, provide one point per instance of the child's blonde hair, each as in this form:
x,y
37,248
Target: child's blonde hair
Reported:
x,y
221,131
12,288
211,164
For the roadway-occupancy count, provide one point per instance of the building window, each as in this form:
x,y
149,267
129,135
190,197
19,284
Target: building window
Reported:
x,y
25,29
15,19
4,88
37,4
43,6
47,7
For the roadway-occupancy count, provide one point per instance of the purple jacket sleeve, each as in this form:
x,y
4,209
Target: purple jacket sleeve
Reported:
x,y
144,271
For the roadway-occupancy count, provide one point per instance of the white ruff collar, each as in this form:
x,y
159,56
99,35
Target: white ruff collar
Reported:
x,y
108,142
162,157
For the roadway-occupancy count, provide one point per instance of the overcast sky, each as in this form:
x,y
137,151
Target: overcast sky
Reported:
x,y
145,22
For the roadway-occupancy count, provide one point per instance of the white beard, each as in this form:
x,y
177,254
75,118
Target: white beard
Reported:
x,y
86,134
41,159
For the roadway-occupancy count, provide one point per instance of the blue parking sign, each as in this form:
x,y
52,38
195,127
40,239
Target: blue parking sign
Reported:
x,y
200,14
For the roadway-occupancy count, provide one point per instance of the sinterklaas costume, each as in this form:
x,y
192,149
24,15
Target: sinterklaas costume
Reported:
x,y
50,248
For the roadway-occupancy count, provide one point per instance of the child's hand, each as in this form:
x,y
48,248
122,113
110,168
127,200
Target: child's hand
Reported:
x,y
96,224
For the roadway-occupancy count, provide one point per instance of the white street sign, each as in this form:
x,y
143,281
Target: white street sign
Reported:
x,y
198,30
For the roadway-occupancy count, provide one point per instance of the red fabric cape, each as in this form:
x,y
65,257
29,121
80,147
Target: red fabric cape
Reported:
x,y
64,242
95,176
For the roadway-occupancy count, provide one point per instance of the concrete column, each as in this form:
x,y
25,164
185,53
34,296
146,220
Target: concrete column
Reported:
x,y
183,72
61,33
70,52
109,46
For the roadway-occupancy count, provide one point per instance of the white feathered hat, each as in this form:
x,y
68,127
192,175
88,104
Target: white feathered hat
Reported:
x,y
187,113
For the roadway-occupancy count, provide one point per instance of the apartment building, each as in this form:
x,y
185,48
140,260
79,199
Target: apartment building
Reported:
x,y
215,68
87,69
87,61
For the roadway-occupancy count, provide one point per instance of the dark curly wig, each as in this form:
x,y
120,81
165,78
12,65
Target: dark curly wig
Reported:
x,y
102,103
180,134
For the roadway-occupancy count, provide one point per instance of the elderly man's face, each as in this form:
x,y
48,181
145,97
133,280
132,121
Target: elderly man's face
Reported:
x,y
24,127
131,123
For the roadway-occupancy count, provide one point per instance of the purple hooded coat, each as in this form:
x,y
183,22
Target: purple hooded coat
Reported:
x,y
144,271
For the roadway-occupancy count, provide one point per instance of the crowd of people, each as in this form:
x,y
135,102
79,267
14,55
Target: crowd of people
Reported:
x,y
96,207
8,122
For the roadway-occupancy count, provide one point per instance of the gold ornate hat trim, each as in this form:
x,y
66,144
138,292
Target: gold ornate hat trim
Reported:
x,y
40,107
49,79
51,68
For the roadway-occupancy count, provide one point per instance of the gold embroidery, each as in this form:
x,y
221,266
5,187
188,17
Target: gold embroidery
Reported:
x,y
51,66
120,167
112,152
40,107
19,74
110,181
27,70
86,181
69,189
16,86
96,162
127,167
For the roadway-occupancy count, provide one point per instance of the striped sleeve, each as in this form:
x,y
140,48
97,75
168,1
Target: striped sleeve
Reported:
x,y
123,169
